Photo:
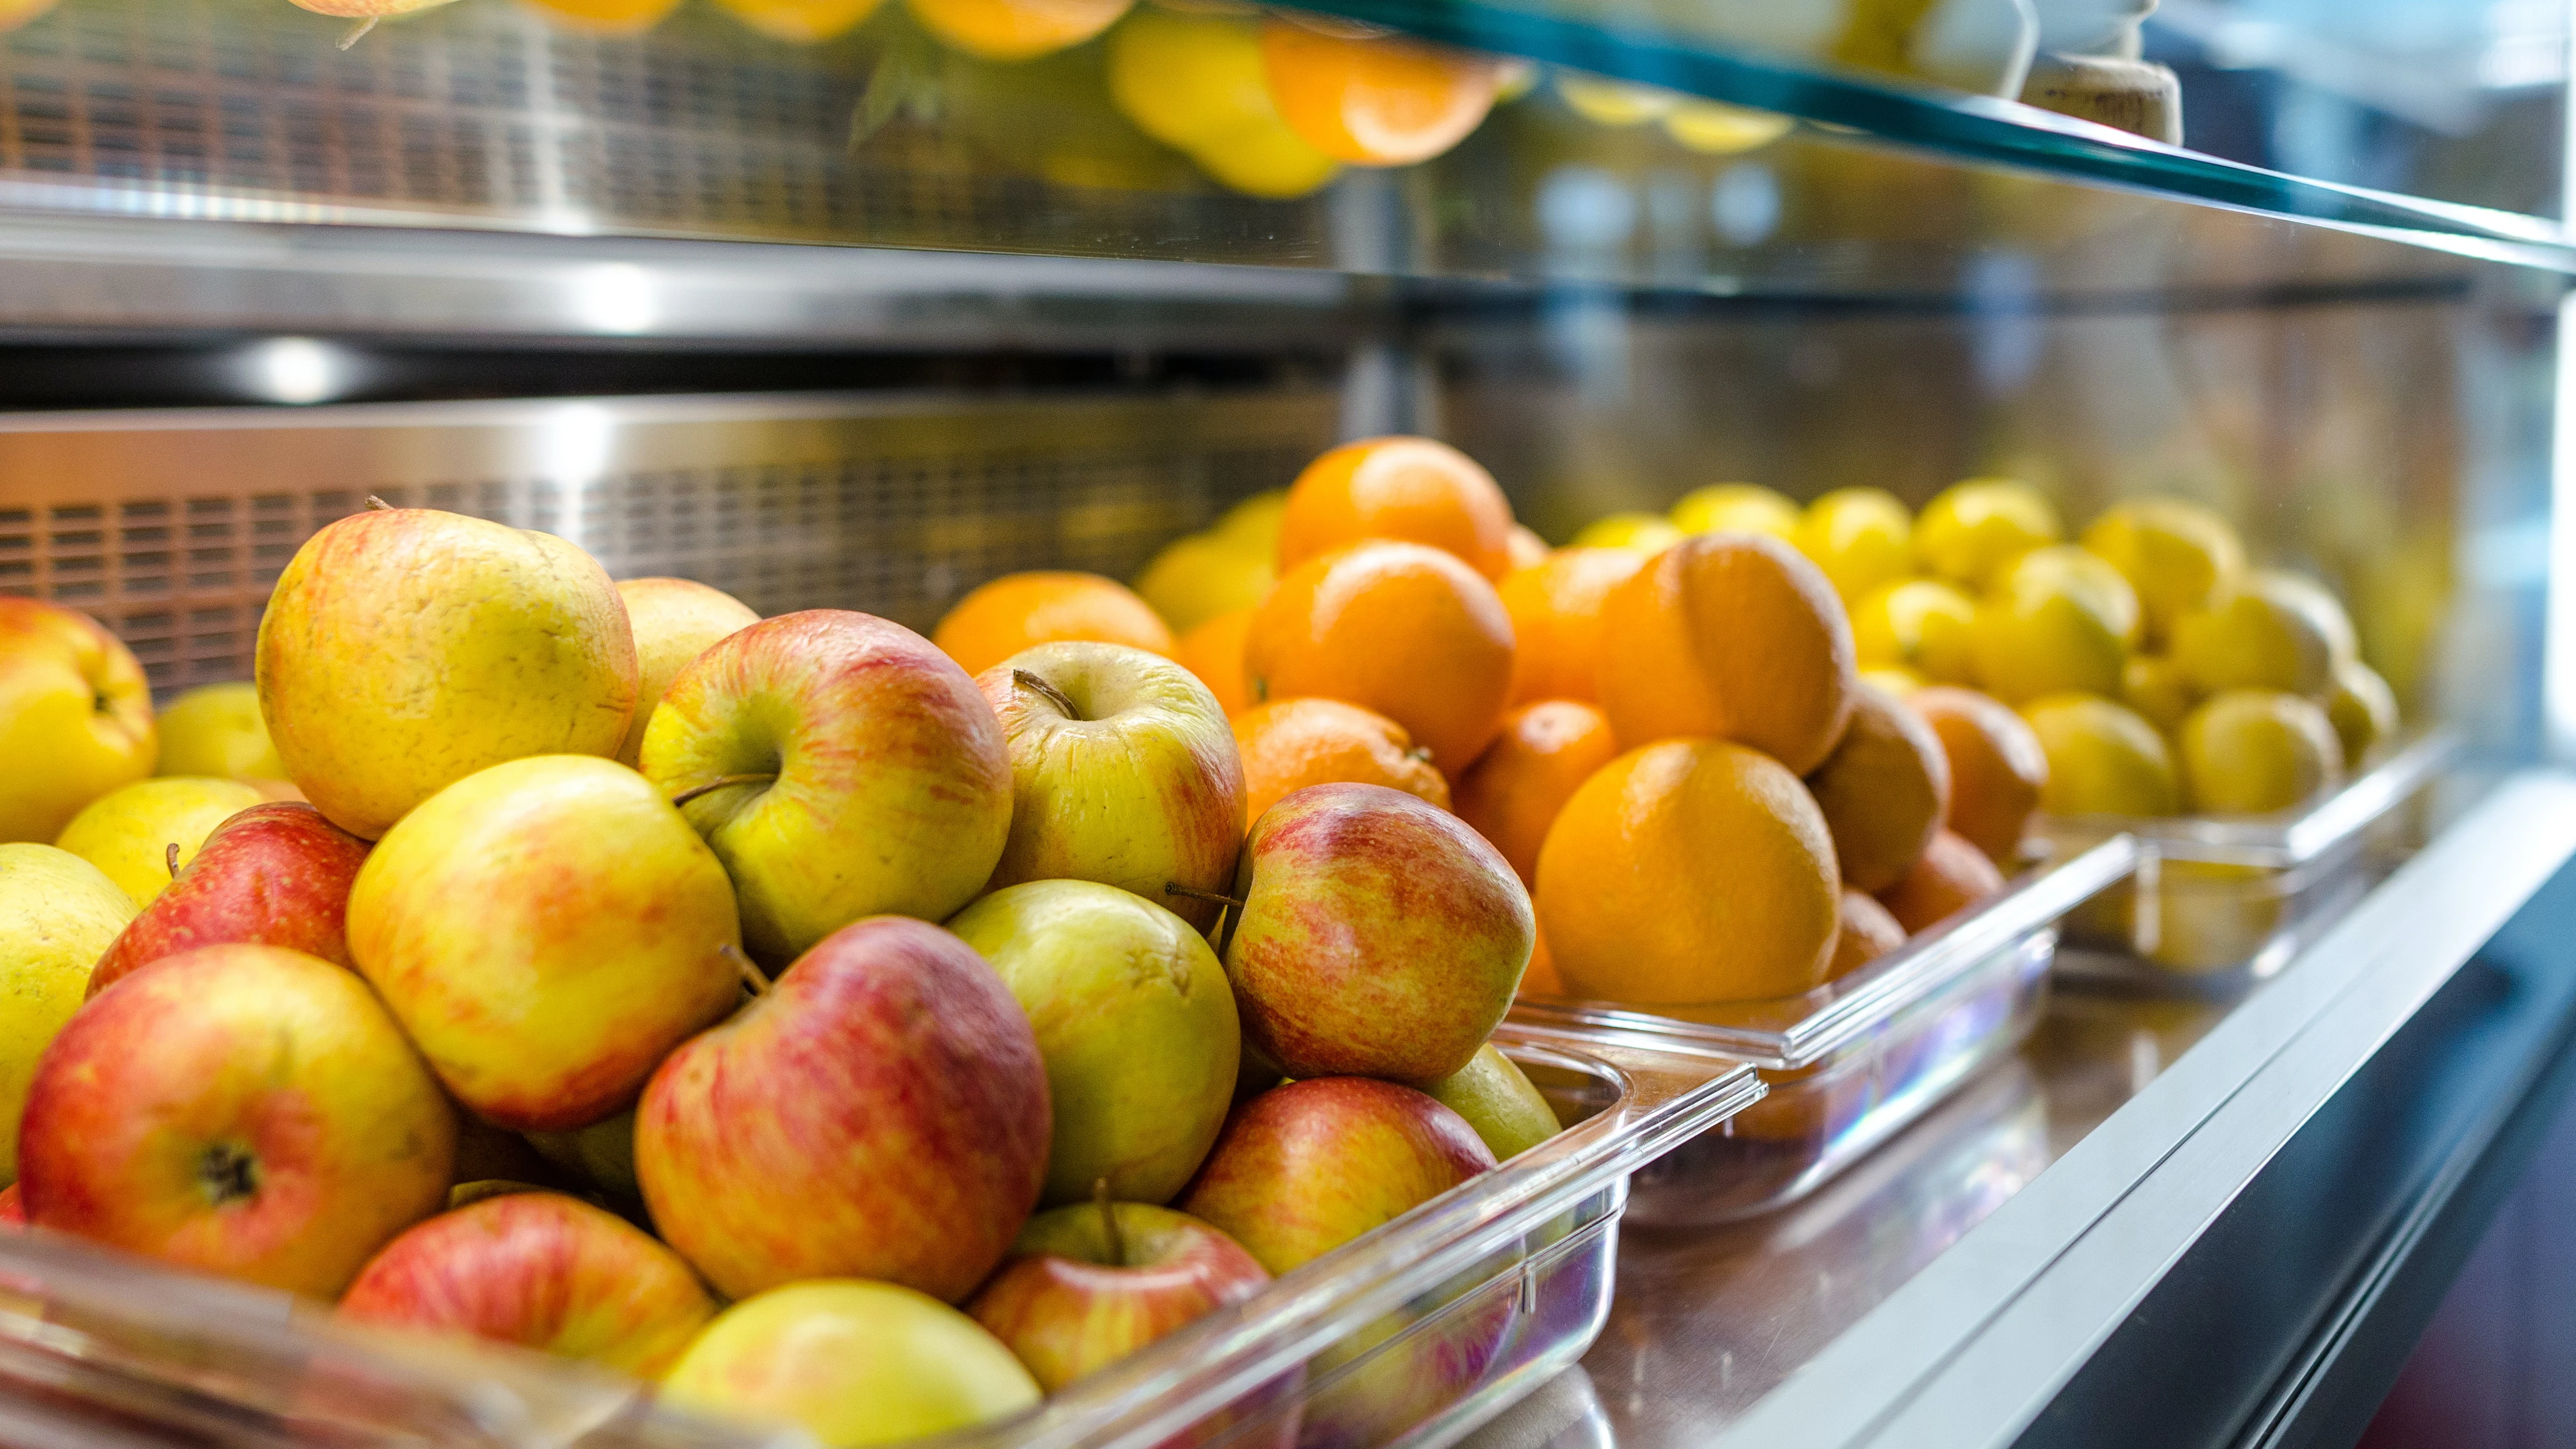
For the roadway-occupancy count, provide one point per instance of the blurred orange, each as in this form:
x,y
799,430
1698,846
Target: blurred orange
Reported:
x,y
1015,29
1734,635
1539,978
1528,549
1293,743
1514,790
1214,652
1413,490
609,17
1884,790
1556,621
1997,767
800,22
1375,102
1952,876
1408,631
1868,932
1689,871
1007,615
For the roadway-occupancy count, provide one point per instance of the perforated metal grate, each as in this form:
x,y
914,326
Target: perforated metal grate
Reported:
x,y
172,529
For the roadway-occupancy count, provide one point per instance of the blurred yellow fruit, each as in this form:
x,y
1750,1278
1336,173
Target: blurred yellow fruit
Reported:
x,y
2177,554
1015,29
1643,532
2272,631
1896,679
127,833
2362,709
1195,82
1714,128
1268,161
2155,686
800,22
1254,523
1921,624
215,729
1607,102
2250,751
1974,530
1196,578
2102,759
1736,508
2058,620
606,17
1861,537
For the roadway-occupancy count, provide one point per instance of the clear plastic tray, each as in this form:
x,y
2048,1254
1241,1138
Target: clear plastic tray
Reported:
x,y
1854,1061
1408,1337
2218,901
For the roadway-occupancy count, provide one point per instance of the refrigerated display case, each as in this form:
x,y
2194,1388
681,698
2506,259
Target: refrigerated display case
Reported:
x,y
866,322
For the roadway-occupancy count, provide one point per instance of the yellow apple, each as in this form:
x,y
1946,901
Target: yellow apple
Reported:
x,y
128,833
75,717
215,730
674,621
405,649
57,914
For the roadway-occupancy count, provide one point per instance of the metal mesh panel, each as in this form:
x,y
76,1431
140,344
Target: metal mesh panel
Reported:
x,y
172,531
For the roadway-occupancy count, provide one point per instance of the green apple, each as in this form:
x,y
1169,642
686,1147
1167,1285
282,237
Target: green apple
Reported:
x,y
1136,1024
851,1362
75,717
1498,1101
674,622
57,915
127,833
215,729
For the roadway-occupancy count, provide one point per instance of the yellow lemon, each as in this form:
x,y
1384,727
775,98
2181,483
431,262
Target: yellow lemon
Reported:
x,y
2272,631
2177,554
1254,523
2362,709
1643,532
2102,759
1713,128
1861,537
2059,619
1736,508
1265,159
2155,686
2249,751
1896,679
1194,579
1196,82
606,17
1921,624
800,22
1974,530
1607,102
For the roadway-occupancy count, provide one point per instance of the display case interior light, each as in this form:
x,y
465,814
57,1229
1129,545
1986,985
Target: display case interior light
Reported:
x,y
297,370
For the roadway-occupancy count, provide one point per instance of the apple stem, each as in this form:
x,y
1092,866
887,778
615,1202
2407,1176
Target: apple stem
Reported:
x,y
1230,907
1109,1221
374,504
170,858
754,979
357,32
721,782
1054,696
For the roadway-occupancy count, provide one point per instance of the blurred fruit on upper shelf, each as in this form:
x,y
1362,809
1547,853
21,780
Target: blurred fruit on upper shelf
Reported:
x,y
1375,101
75,717
605,17
1197,83
800,22
1012,30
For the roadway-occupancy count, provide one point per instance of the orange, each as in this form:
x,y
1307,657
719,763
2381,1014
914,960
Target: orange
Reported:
x,y
1375,101
1408,631
1686,872
1528,549
1539,978
1884,790
1015,29
1734,635
1997,768
1413,490
1514,790
1003,617
1868,932
800,22
1556,621
1214,652
606,17
1295,743
1952,876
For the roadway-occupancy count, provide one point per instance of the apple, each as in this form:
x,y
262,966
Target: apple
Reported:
x,y
405,648
867,776
273,875
1493,1096
215,730
546,930
600,1157
1136,1024
57,913
1380,936
674,621
1088,1285
13,1209
1305,1168
128,832
540,1270
244,1110
851,1363
1123,771
75,717
880,1112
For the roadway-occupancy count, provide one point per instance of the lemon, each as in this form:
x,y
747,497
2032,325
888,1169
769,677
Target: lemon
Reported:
x,y
2059,619
1736,508
2362,709
1896,679
1253,524
1194,579
1973,530
2249,751
1713,128
2158,690
1920,624
1196,82
1265,159
2177,554
1861,537
1607,102
800,22
2272,631
2102,759
1641,531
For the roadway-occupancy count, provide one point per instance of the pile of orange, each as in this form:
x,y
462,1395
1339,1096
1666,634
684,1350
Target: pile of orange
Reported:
x,y
1673,746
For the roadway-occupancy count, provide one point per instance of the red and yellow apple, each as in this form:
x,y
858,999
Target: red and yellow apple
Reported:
x,y
405,649
273,875
880,1112
57,913
674,621
244,1110
1076,1296
75,717
858,773
546,930
127,832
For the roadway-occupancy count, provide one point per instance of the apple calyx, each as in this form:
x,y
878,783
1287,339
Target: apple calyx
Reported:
x,y
229,1173
1053,695
722,782
754,980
